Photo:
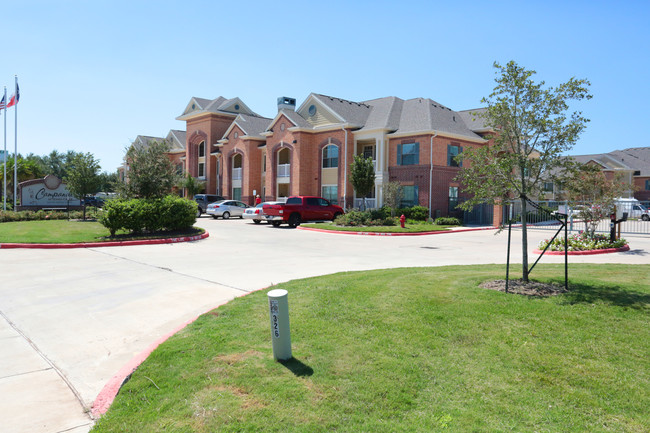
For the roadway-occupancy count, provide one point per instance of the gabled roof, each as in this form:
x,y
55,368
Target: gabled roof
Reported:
x,y
252,126
632,159
355,113
177,140
143,141
220,105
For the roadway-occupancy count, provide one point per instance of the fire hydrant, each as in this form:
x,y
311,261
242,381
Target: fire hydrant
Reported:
x,y
402,219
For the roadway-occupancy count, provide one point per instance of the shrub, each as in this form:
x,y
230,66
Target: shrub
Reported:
x,y
448,221
150,215
583,242
28,215
417,213
372,217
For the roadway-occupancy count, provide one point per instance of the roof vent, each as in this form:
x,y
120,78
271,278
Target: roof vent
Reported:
x,y
285,103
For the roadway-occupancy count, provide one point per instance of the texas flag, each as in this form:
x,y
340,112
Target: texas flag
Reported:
x,y
14,98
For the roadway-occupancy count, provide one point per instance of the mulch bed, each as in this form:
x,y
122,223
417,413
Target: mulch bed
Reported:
x,y
532,288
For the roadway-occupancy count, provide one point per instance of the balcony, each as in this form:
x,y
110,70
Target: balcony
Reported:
x,y
371,203
284,170
236,173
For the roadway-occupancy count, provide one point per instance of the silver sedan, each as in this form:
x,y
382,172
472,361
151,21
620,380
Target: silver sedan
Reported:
x,y
226,208
257,213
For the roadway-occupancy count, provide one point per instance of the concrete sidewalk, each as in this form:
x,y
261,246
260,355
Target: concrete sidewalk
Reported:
x,y
71,319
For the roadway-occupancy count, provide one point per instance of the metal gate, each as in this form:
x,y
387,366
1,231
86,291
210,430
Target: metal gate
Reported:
x,y
538,219
481,215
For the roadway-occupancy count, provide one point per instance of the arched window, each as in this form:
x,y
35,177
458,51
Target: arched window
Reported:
x,y
330,156
202,149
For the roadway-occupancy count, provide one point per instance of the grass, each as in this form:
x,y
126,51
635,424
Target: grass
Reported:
x,y
64,231
408,350
416,227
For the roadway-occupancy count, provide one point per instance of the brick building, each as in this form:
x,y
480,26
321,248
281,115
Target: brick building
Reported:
x,y
307,150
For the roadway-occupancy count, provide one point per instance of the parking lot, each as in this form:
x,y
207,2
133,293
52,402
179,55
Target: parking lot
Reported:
x,y
71,319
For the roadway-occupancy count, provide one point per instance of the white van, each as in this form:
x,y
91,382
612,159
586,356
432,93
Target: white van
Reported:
x,y
633,208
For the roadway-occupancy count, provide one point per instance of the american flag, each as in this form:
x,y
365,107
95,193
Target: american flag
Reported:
x,y
3,103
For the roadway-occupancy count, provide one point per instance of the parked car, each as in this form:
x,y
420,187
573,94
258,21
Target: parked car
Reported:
x,y
227,208
93,201
298,209
257,213
203,200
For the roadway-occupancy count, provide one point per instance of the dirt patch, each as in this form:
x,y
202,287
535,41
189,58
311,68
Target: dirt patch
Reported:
x,y
233,358
532,288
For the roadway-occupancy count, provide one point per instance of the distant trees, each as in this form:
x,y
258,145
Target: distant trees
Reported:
x,y
27,169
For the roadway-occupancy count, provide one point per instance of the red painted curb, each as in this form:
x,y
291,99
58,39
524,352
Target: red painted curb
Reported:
x,y
110,243
585,253
438,232
107,394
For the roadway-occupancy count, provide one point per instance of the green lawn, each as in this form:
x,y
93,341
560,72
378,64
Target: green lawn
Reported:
x,y
410,228
409,350
64,231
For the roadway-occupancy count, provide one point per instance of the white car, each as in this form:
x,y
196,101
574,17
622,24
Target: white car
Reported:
x,y
226,208
257,213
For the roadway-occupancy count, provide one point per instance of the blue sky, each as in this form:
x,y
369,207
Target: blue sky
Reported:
x,y
95,74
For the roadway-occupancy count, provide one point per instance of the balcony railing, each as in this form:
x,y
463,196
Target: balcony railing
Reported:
x,y
284,170
371,203
236,173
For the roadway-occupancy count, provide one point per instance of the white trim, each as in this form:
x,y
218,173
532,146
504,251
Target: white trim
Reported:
x,y
313,97
440,134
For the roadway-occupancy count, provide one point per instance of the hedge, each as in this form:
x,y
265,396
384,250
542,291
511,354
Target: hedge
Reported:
x,y
148,215
28,215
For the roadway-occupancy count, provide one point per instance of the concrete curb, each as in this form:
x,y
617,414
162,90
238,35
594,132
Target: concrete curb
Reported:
x,y
585,253
438,232
107,394
110,243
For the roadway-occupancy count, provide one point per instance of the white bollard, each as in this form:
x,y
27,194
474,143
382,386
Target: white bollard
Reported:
x,y
279,313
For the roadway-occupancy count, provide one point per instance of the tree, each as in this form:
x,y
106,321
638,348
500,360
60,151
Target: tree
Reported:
x,y
107,181
83,176
27,169
150,172
393,195
192,186
532,132
587,185
362,176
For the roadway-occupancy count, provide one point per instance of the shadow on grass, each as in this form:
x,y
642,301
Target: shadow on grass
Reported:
x,y
613,295
297,367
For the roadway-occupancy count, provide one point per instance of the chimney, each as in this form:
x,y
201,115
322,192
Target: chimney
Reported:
x,y
285,103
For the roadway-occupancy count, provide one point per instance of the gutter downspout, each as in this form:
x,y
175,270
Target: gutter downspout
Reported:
x,y
435,134
345,172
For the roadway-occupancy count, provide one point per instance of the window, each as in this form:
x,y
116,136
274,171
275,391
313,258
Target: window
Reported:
x,y
548,186
408,154
201,169
201,149
410,196
452,152
330,156
236,193
179,168
330,193
453,198
647,185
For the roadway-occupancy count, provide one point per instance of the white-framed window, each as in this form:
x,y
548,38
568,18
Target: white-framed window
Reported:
x,y
202,149
331,156
453,198
201,169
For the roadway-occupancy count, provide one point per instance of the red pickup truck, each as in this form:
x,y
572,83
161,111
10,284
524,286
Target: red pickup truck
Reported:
x,y
299,209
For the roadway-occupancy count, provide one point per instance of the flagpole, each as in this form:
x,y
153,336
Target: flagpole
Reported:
x,y
4,165
16,146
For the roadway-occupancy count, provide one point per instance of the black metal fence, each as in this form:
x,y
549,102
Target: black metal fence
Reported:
x,y
638,222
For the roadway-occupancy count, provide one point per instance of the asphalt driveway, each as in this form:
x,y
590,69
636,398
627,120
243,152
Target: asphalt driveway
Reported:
x,y
71,319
